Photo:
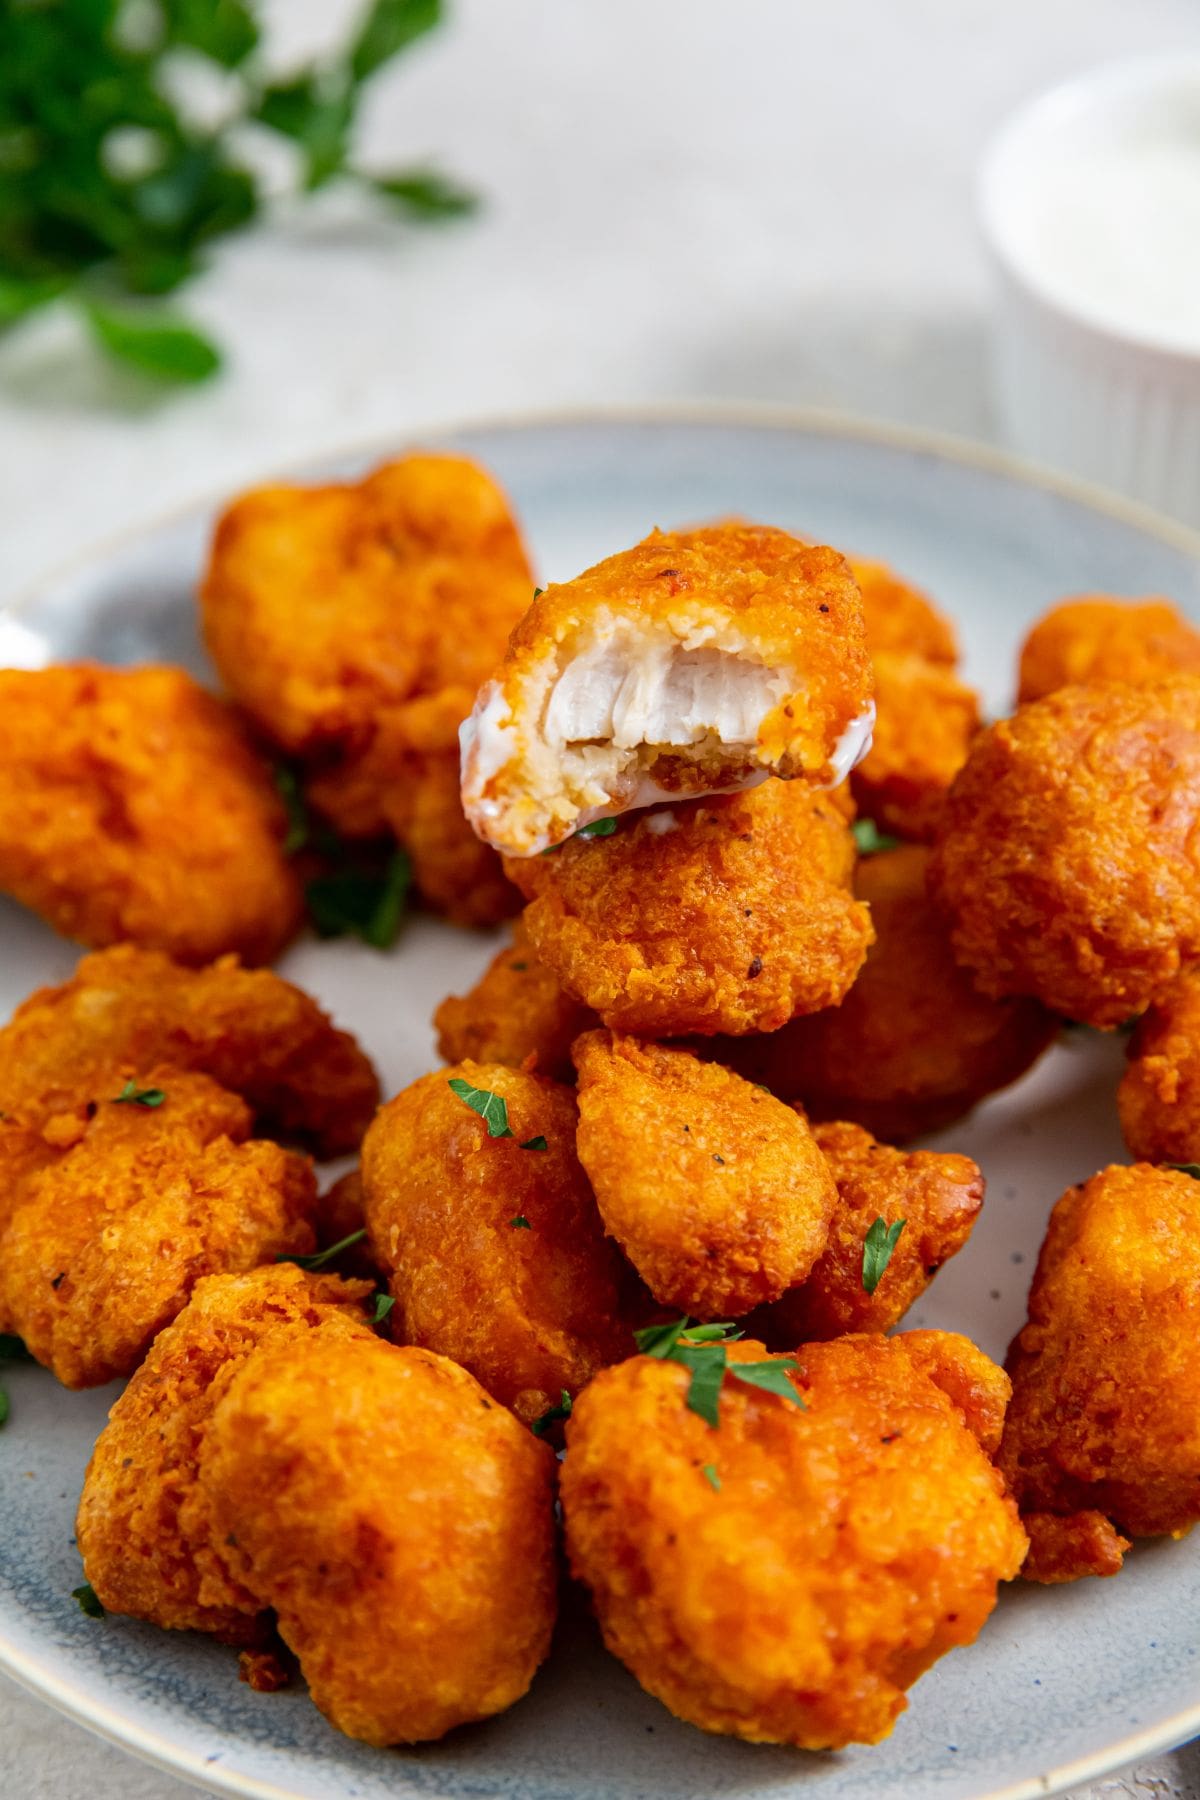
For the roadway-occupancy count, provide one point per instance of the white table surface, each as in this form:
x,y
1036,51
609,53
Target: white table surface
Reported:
x,y
686,199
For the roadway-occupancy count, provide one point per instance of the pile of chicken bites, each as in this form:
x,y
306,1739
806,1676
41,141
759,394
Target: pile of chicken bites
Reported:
x,y
620,1275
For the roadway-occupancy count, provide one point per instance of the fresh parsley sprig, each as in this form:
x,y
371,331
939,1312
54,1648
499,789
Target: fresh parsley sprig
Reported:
x,y
493,1110
552,1416
88,1601
132,1095
702,1349
880,1241
320,1259
869,840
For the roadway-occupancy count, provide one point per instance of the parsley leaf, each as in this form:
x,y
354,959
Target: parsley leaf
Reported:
x,y
88,1601
1192,1169
287,783
492,1108
425,194
383,1306
880,1241
598,828
158,345
535,1143
320,1259
551,1417
12,1349
869,839
520,1223
710,1475
703,1351
361,901
132,1095
771,1377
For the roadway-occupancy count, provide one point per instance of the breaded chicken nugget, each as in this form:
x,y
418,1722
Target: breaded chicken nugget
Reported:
x,y
913,1045
134,807
937,1196
1159,1096
716,1191
399,1524
254,1033
516,1011
495,1250
146,1533
900,619
786,1577
1103,1433
727,915
100,1248
976,1386
1098,638
697,662
323,604
925,720
1068,860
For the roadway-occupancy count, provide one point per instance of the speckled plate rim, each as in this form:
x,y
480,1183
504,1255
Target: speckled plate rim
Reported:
x,y
151,1747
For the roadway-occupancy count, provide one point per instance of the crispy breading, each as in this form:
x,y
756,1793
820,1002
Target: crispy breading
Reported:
x,y
1159,1095
925,718
913,1045
976,1386
1105,1417
694,663
1097,637
101,1247
785,1578
1068,860
901,619
516,1011
938,1196
399,1524
323,604
254,1033
134,807
716,1191
529,1309
723,915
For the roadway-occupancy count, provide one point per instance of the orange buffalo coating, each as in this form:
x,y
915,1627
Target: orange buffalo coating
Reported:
x,y
786,1577
913,1045
135,807
1102,1440
900,619
516,1011
322,605
1068,863
1159,1097
725,915
398,1523
1098,638
254,1033
101,1245
715,1190
925,719
529,1308
938,1196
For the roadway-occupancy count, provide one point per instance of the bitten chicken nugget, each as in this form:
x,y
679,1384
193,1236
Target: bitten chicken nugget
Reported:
x,y
323,604
695,663
1068,860
726,915
716,1191
146,1533
1159,1096
100,1248
913,1045
515,1011
134,807
937,1196
925,720
900,619
1098,638
254,1033
1103,1433
786,1577
398,1523
490,1233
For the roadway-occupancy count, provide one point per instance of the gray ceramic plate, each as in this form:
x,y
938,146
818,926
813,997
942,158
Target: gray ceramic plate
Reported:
x,y
1064,1683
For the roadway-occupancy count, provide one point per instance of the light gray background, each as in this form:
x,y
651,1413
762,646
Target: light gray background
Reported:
x,y
686,199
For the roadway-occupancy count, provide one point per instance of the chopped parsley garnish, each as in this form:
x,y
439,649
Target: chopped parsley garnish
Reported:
x,y
551,1417
88,1601
538,592
318,1259
713,1479
880,1241
492,1108
383,1306
702,1349
520,1223
362,900
132,1095
598,828
535,1143
287,784
1192,1169
869,839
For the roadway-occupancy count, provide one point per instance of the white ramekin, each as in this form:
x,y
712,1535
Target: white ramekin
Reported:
x,y
1073,389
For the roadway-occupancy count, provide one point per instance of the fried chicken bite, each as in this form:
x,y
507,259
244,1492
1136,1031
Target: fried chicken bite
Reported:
x,y
724,915
697,662
716,1191
322,605
125,1009
938,1197
913,1045
925,720
900,619
134,807
786,1577
1159,1095
516,1011
146,1531
399,1524
101,1247
1102,1439
1099,638
1068,857
493,1244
